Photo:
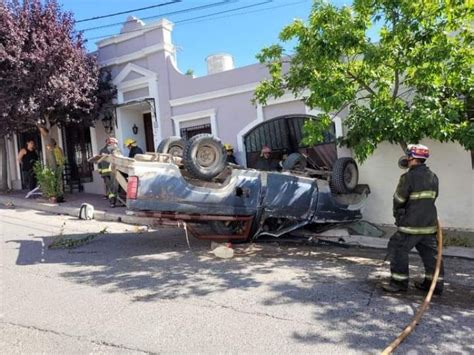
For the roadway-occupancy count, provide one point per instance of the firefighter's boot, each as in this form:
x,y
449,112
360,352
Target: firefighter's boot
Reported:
x,y
395,287
425,286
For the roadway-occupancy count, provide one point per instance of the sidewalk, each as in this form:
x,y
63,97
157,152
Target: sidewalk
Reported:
x,y
103,212
72,205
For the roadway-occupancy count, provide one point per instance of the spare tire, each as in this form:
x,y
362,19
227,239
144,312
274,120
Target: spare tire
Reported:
x,y
295,161
345,176
204,156
172,145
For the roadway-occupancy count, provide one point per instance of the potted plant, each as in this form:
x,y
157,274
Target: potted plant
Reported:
x,y
49,180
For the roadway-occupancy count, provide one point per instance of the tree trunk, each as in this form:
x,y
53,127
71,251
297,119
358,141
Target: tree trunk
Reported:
x,y
46,135
3,165
404,146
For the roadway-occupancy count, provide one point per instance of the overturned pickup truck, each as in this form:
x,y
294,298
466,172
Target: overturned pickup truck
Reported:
x,y
190,182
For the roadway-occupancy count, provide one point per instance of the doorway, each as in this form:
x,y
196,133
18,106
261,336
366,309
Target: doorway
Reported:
x,y
77,149
148,125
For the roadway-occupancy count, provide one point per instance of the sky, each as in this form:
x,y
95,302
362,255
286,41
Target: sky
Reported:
x,y
238,27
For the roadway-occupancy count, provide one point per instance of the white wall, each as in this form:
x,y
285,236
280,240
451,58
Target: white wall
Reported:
x,y
128,117
96,186
449,161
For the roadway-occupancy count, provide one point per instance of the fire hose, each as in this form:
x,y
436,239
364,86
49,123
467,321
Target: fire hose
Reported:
x,y
409,328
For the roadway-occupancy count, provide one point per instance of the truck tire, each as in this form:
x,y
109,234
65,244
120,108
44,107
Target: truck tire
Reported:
x,y
345,176
172,145
204,156
229,228
295,161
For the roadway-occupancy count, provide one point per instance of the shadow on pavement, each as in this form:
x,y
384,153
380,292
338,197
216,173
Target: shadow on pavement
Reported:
x,y
335,282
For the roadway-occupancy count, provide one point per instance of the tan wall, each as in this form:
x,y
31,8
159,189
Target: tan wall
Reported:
x,y
449,161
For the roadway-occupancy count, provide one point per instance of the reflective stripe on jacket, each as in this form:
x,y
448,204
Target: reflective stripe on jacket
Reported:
x,y
414,201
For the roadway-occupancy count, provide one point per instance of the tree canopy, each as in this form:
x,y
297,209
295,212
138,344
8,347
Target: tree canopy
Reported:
x,y
46,75
412,82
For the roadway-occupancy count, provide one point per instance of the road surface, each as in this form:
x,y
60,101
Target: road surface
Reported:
x,y
148,292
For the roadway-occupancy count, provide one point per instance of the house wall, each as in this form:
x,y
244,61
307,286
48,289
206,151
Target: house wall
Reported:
x,y
226,96
449,161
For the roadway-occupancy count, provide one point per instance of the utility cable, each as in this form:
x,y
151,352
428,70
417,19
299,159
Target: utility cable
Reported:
x,y
197,17
195,8
248,12
128,11
225,11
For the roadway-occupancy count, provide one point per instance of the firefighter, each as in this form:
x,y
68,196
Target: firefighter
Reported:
x,y
416,219
111,188
230,154
134,149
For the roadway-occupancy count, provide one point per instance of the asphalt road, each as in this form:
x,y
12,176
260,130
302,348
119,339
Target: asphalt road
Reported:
x,y
128,292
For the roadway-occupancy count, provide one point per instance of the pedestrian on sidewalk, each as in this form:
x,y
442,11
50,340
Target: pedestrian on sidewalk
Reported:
x,y
416,218
27,157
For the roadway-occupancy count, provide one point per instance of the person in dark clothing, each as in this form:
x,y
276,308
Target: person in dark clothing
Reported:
x,y
416,218
265,162
230,154
134,149
27,157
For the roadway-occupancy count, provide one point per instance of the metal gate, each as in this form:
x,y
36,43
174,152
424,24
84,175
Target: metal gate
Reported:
x,y
78,150
284,136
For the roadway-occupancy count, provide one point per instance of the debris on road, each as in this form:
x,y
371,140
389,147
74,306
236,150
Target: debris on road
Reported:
x,y
223,251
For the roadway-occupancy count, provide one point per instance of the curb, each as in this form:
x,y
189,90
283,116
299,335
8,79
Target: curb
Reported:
x,y
73,211
381,243
356,240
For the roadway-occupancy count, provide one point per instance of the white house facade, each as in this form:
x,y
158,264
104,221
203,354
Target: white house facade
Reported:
x,y
155,100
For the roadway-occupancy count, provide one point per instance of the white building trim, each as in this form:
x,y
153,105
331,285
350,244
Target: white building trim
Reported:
x,y
146,73
259,119
195,116
15,143
155,116
95,148
60,138
288,97
136,33
138,54
214,94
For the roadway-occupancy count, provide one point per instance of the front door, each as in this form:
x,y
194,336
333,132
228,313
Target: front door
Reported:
x,y
77,149
148,124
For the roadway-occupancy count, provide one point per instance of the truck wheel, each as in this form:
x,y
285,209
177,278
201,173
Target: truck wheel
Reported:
x,y
204,156
172,145
229,228
345,176
295,161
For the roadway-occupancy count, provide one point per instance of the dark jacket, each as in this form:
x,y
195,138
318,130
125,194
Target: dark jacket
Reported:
x,y
134,151
414,201
267,164
231,159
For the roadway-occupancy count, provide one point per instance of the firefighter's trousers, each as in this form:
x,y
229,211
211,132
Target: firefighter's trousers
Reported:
x,y
111,185
400,245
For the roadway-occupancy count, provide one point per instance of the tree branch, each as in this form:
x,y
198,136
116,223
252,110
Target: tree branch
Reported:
x,y
341,109
362,83
397,84
405,92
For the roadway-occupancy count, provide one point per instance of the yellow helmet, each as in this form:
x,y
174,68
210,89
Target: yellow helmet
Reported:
x,y
130,141
227,146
